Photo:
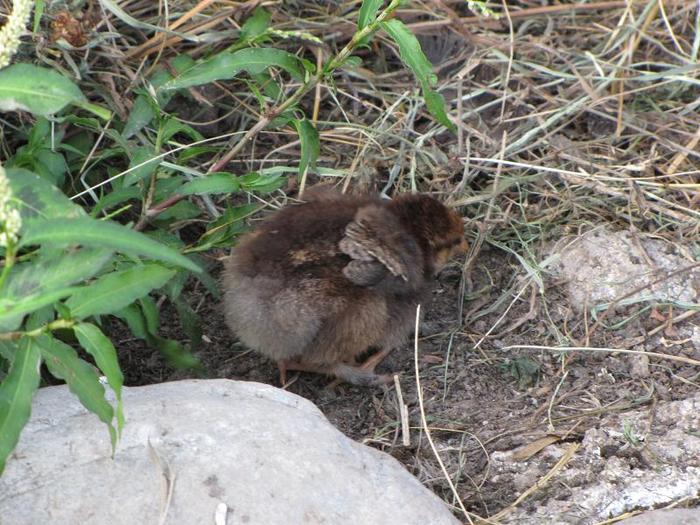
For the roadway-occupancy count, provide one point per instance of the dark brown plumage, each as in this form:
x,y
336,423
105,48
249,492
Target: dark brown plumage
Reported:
x,y
319,283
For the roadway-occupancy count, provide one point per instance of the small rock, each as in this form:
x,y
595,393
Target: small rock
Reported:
x,y
639,365
602,266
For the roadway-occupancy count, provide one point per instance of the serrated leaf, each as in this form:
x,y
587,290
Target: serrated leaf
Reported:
x,y
106,234
216,182
82,379
102,350
16,392
412,55
227,65
39,90
310,146
116,290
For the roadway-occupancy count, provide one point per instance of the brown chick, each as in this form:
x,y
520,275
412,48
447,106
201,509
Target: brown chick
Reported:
x,y
319,283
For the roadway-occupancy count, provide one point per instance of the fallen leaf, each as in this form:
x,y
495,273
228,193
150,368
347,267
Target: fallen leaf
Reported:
x,y
533,448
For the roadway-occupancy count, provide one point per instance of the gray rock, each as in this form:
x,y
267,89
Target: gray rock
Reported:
x,y
602,266
248,452
665,517
633,460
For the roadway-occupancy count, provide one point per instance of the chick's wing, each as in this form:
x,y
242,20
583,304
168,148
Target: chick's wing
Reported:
x,y
380,248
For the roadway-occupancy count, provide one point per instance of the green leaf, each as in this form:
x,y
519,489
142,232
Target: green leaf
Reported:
x,y
310,146
101,112
195,151
412,55
106,234
40,199
39,90
142,113
143,163
134,319
174,353
150,314
102,350
216,182
189,321
116,290
255,25
16,391
52,271
227,65
270,88
80,376
368,12
50,165
173,126
12,310
180,211
222,231
115,197
260,183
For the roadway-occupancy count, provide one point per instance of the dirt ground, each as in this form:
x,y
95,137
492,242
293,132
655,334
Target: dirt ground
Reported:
x,y
480,396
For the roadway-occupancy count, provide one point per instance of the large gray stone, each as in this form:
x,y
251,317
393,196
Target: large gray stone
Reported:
x,y
256,453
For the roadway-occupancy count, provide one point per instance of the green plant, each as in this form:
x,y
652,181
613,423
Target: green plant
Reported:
x,y
69,263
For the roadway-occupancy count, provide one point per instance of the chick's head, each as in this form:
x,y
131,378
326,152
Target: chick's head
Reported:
x,y
438,230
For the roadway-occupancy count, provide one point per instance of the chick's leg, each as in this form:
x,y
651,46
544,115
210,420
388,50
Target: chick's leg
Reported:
x,y
372,361
363,374
285,365
282,367
358,376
